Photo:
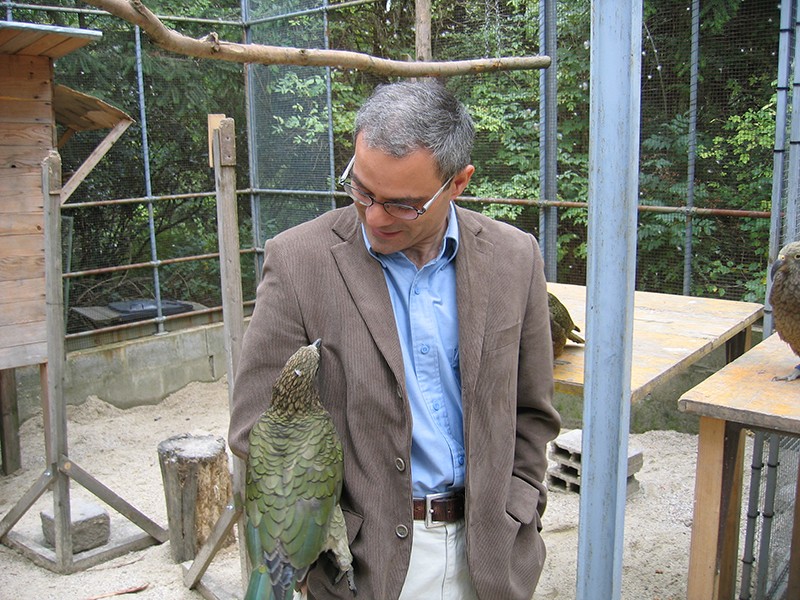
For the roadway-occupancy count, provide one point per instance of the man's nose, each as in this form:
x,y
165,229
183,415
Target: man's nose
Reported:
x,y
376,215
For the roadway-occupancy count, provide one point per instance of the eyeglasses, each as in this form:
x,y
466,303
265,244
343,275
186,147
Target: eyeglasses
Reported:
x,y
395,209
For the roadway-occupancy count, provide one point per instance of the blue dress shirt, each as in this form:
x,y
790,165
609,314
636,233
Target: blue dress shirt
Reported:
x,y
424,303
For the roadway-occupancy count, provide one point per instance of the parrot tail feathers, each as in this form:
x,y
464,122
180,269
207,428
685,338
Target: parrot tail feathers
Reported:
x,y
259,586
575,337
283,576
337,543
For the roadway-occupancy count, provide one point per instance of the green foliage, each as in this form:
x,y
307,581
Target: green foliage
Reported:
x,y
736,114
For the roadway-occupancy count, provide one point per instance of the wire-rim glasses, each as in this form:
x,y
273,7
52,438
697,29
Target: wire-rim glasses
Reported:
x,y
395,209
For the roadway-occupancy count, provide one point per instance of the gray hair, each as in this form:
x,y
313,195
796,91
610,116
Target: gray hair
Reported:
x,y
401,118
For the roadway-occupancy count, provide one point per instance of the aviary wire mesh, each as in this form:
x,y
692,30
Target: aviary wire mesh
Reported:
x,y
770,513
294,137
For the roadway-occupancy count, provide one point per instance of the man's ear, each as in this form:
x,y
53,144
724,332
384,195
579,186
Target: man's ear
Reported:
x,y
462,178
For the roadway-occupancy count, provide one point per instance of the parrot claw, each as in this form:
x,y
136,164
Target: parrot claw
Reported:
x,y
351,581
795,374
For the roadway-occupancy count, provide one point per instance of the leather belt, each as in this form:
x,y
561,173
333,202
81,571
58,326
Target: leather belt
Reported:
x,y
438,509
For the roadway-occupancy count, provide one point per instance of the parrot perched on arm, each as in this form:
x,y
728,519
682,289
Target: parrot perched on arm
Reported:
x,y
294,481
785,300
561,325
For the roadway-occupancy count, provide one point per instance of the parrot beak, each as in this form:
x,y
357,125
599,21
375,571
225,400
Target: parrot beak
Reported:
x,y
776,266
317,343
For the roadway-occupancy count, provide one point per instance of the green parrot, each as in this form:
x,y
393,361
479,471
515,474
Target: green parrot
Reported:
x,y
294,481
561,325
785,300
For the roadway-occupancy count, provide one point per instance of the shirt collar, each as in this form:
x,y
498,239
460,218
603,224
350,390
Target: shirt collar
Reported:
x,y
449,245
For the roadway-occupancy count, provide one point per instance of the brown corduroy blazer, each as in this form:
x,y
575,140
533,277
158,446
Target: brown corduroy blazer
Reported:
x,y
319,281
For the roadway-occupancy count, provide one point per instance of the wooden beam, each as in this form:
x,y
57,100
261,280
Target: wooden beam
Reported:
x,y
94,158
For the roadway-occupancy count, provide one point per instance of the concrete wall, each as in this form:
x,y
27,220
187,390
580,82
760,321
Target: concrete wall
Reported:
x,y
148,369
133,372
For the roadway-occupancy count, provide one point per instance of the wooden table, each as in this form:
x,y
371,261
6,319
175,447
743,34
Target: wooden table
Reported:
x,y
670,333
740,395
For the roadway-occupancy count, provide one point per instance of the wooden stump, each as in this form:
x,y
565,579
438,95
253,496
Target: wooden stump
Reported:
x,y
197,487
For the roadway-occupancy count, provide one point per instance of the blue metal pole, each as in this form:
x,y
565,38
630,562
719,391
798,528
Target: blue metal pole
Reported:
x,y
614,110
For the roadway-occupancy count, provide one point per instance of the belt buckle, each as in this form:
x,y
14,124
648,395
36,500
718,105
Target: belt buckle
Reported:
x,y
429,522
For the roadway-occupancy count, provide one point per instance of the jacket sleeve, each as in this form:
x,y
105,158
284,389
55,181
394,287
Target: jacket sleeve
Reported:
x,y
538,422
274,333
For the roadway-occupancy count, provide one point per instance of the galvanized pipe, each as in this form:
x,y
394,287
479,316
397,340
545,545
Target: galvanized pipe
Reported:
x,y
769,513
147,182
779,150
756,466
790,220
548,139
692,151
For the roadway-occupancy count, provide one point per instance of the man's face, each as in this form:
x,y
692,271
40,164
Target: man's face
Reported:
x,y
411,180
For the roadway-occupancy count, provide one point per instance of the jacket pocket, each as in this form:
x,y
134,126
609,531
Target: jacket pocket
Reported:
x,y
522,501
504,337
353,522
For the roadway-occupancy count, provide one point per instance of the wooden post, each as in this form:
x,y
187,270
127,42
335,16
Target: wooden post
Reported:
x,y
197,486
9,422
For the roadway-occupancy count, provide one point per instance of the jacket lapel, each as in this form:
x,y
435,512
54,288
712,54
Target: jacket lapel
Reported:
x,y
364,279
472,285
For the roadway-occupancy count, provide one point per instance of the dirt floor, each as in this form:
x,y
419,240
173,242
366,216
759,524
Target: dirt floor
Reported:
x,y
118,447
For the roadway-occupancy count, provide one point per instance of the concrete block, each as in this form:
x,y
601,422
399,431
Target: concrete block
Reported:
x,y
566,451
91,525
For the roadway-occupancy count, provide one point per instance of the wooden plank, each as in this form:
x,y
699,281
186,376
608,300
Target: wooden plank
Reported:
x,y
9,422
25,111
105,494
22,312
14,40
669,334
22,290
703,578
91,161
19,335
26,77
19,195
13,267
23,356
60,49
744,391
22,159
33,493
22,245
26,134
17,201
28,223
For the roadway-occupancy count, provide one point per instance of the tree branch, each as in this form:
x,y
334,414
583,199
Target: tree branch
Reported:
x,y
210,46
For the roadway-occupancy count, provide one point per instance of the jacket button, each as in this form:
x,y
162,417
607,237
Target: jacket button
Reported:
x,y
401,531
400,464
399,391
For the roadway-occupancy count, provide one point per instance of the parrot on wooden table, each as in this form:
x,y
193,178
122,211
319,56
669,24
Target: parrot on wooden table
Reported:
x,y
785,300
562,327
294,481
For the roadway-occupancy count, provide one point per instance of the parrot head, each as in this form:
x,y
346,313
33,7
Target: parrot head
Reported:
x,y
788,260
295,387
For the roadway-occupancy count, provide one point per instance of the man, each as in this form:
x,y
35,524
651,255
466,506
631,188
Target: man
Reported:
x,y
436,361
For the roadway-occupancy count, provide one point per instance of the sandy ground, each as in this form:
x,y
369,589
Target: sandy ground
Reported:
x,y
118,447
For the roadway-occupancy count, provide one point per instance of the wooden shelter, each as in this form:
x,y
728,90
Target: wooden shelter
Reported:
x,y
31,105
31,297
